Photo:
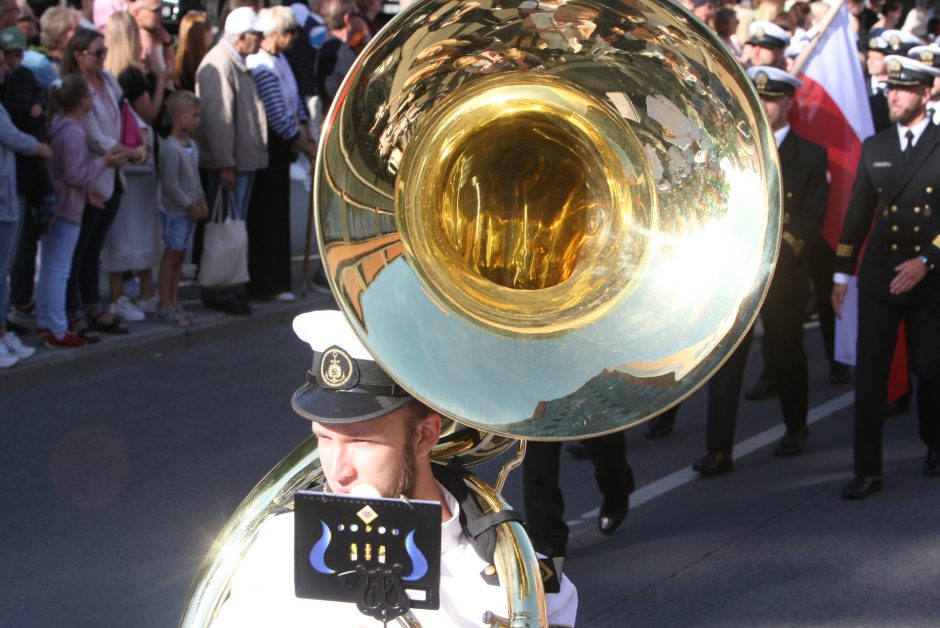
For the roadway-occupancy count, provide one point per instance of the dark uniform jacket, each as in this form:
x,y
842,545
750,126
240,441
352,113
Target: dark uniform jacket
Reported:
x,y
904,197
805,197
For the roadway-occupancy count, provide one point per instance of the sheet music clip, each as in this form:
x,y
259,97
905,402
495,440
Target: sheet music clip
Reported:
x,y
381,554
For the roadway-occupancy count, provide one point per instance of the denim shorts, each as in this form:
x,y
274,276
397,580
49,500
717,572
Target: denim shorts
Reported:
x,y
177,231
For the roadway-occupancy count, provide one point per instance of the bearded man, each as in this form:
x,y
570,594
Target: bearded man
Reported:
x,y
371,433
898,183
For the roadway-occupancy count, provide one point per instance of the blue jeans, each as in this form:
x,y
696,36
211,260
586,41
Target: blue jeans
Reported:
x,y
9,238
244,181
56,250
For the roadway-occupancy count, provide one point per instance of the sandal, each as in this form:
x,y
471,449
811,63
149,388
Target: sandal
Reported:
x,y
189,316
171,316
80,328
104,322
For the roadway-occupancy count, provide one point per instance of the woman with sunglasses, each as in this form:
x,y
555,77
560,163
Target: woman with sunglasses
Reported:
x,y
85,56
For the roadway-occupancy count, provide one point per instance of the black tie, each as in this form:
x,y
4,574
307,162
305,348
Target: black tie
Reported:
x,y
910,145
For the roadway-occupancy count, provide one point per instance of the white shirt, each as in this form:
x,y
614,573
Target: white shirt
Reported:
x,y
262,591
781,134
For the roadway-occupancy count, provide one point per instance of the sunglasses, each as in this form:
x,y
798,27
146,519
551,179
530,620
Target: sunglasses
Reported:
x,y
100,53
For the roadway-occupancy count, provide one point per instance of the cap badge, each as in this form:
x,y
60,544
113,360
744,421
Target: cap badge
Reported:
x,y
873,42
895,42
761,79
759,33
894,66
336,368
926,57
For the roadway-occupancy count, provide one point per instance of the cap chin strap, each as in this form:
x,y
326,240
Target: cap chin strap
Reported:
x,y
380,390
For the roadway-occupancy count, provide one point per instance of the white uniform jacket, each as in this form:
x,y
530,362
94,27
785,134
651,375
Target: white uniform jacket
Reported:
x,y
262,591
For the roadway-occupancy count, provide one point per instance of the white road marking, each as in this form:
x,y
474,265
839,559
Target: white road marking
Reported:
x,y
671,482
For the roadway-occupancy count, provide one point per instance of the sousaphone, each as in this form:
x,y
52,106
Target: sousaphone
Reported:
x,y
547,220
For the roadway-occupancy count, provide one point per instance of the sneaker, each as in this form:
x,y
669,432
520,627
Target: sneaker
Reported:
x,y
285,297
148,306
126,310
15,346
68,341
7,359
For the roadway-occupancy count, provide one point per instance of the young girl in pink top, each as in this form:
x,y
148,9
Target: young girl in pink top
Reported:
x,y
73,168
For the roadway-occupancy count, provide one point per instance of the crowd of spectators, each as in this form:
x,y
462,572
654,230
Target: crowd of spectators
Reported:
x,y
109,165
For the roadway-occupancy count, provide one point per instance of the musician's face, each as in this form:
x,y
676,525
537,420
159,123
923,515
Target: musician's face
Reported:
x,y
907,104
381,452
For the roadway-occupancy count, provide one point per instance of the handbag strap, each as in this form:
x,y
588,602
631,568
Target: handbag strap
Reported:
x,y
221,208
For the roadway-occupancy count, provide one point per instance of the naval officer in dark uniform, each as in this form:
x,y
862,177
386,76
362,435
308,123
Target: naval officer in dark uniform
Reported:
x,y
898,183
805,196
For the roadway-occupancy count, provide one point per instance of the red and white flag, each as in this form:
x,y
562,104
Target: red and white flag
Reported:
x,y
831,109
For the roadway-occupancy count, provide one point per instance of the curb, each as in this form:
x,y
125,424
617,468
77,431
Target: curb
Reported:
x,y
147,338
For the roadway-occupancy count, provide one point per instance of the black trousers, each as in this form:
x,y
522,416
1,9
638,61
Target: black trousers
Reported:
x,y
268,224
23,271
878,322
822,261
724,396
82,287
785,357
544,502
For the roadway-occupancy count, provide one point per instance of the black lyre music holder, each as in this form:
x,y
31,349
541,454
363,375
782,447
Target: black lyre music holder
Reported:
x,y
381,554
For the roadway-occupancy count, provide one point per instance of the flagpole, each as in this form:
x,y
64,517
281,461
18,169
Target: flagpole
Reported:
x,y
810,48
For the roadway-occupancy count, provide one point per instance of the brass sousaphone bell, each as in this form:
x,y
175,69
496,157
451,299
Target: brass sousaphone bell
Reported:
x,y
546,220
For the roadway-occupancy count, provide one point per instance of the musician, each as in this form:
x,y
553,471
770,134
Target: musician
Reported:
x,y
805,197
766,45
898,183
930,55
371,432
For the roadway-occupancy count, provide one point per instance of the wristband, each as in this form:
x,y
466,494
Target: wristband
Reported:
x,y
923,260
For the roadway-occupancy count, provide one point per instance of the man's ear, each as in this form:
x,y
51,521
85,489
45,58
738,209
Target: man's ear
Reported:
x,y
427,433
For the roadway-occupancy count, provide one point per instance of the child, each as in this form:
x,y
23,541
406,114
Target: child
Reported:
x,y
73,169
183,201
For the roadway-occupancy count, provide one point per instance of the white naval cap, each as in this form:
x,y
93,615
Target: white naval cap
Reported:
x,y
928,55
900,41
773,82
906,72
768,35
344,385
240,21
797,44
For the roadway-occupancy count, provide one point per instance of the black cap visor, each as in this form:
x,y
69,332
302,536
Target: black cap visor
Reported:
x,y
343,406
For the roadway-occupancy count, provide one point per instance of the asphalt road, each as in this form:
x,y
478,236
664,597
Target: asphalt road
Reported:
x,y
115,479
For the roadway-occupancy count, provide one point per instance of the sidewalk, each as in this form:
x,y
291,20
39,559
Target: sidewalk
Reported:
x,y
148,337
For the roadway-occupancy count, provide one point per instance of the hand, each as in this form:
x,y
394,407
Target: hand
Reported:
x,y
115,157
909,275
35,111
43,150
838,297
204,208
227,179
94,199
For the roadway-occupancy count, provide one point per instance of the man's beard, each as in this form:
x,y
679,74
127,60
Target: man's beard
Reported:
x,y
905,116
407,473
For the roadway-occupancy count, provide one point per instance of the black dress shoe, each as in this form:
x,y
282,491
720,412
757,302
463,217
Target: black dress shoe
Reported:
x,y
838,373
612,514
762,389
577,450
932,463
860,488
792,443
714,463
657,428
